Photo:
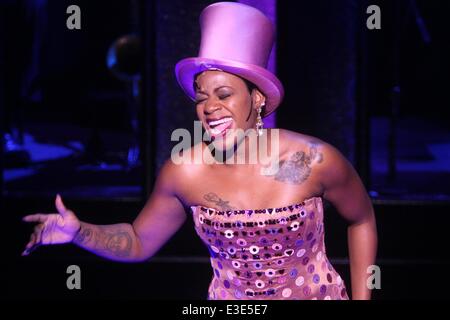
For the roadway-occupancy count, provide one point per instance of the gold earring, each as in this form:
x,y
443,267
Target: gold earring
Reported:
x,y
259,123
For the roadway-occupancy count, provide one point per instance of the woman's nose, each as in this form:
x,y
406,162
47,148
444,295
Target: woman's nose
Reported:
x,y
212,106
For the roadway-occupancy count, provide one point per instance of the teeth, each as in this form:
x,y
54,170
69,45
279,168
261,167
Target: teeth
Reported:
x,y
216,122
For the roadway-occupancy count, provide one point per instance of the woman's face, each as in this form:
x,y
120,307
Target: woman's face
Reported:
x,y
225,97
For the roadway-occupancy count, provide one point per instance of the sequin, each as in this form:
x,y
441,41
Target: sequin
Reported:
x,y
319,256
301,253
329,278
307,290
286,293
293,273
305,261
288,252
323,289
260,284
249,292
231,250
215,249
229,234
299,281
295,226
270,273
276,253
316,278
253,249
279,262
277,246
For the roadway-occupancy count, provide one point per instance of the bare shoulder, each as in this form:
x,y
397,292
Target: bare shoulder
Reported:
x,y
293,142
328,162
180,168
297,139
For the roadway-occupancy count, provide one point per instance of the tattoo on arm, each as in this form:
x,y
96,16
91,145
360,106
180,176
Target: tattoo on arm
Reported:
x,y
83,236
222,204
115,242
297,168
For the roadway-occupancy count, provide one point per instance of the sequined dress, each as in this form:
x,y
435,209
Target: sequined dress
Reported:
x,y
273,253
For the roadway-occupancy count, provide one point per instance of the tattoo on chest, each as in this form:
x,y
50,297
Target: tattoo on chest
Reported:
x,y
222,204
297,168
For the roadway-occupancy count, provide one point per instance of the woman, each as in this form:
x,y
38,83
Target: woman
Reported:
x,y
262,224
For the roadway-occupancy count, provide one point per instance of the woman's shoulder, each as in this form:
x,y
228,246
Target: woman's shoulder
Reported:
x,y
294,140
185,163
298,143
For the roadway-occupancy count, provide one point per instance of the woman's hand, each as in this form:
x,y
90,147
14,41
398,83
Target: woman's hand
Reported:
x,y
54,228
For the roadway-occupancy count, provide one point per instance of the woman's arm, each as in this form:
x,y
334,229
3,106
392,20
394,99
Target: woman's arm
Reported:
x,y
116,242
160,218
158,221
344,189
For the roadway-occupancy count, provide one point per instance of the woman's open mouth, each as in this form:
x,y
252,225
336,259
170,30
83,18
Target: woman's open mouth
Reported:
x,y
219,127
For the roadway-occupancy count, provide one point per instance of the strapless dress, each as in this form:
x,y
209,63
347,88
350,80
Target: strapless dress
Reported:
x,y
273,253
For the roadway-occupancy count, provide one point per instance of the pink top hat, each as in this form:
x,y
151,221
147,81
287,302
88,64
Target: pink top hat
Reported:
x,y
235,38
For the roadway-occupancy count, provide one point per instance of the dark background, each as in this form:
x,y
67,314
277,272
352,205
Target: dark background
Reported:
x,y
339,77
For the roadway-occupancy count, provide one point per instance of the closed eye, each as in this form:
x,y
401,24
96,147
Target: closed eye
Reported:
x,y
198,101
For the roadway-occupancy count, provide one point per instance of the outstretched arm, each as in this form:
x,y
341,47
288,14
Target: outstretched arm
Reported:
x,y
344,189
160,218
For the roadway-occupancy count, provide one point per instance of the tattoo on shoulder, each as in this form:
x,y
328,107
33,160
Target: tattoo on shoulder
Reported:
x,y
297,168
222,204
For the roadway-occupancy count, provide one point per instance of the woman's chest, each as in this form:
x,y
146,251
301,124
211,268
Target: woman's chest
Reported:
x,y
228,190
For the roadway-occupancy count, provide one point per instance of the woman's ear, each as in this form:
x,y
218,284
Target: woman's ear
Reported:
x,y
258,99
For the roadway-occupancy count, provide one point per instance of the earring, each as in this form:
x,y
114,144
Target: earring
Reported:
x,y
259,123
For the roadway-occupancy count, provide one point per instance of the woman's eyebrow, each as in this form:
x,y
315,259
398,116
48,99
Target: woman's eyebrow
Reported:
x,y
215,90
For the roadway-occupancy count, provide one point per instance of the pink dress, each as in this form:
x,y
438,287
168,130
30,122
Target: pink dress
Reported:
x,y
273,253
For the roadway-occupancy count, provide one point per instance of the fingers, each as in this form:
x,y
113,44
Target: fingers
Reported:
x,y
35,240
38,233
60,205
41,218
31,245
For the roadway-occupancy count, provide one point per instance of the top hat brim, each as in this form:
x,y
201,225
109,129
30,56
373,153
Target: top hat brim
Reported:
x,y
267,82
